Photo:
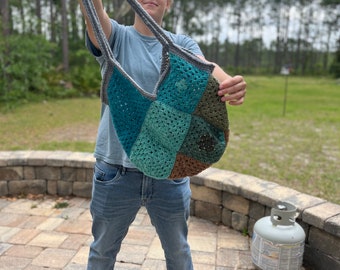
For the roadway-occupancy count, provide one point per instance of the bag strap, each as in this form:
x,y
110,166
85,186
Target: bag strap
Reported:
x,y
166,42
147,19
98,30
150,23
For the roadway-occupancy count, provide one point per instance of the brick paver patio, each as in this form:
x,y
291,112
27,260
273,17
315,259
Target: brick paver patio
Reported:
x,y
35,235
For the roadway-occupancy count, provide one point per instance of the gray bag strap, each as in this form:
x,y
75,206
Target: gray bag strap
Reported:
x,y
107,52
98,30
166,42
149,22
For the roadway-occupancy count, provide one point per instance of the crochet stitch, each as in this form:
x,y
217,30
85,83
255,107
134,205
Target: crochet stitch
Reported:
x,y
180,129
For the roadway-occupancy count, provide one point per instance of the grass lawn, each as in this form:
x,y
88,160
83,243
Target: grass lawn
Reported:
x,y
300,149
51,125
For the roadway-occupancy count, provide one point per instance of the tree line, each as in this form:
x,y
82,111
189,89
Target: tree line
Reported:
x,y
42,48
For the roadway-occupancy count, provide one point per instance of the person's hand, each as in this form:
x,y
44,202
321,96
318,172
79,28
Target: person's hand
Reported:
x,y
233,90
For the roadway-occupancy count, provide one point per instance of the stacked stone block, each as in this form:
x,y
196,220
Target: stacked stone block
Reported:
x,y
223,197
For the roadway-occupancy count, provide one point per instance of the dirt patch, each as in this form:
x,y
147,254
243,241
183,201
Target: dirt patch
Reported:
x,y
79,132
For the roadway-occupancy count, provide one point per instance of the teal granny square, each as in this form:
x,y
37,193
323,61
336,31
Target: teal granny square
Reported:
x,y
160,137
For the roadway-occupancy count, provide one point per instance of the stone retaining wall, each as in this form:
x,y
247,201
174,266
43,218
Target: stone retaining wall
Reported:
x,y
220,196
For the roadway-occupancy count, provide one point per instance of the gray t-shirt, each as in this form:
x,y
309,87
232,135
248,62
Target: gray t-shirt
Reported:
x,y
141,58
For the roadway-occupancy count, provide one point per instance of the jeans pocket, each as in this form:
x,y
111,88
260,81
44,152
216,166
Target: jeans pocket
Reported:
x,y
105,172
180,181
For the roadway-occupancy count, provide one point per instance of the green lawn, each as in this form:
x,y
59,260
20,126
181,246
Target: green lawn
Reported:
x,y
47,125
300,150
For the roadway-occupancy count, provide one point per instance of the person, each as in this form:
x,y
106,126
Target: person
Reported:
x,y
119,189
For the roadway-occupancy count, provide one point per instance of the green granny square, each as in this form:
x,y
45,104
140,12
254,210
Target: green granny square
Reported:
x,y
161,136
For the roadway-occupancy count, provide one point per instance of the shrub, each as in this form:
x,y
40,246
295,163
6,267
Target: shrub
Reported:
x,y
25,60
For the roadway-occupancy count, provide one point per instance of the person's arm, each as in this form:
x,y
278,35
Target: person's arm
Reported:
x,y
103,18
232,89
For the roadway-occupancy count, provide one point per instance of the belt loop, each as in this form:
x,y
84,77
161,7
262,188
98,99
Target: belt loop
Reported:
x,y
123,170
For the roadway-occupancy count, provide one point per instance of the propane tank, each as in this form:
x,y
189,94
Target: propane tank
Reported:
x,y
278,241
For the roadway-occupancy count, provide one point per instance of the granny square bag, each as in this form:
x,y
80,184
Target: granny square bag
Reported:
x,y
178,130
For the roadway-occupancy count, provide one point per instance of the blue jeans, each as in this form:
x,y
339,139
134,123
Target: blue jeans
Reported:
x,y
118,193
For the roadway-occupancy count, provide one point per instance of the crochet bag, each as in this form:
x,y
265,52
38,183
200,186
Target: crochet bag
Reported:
x,y
178,130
